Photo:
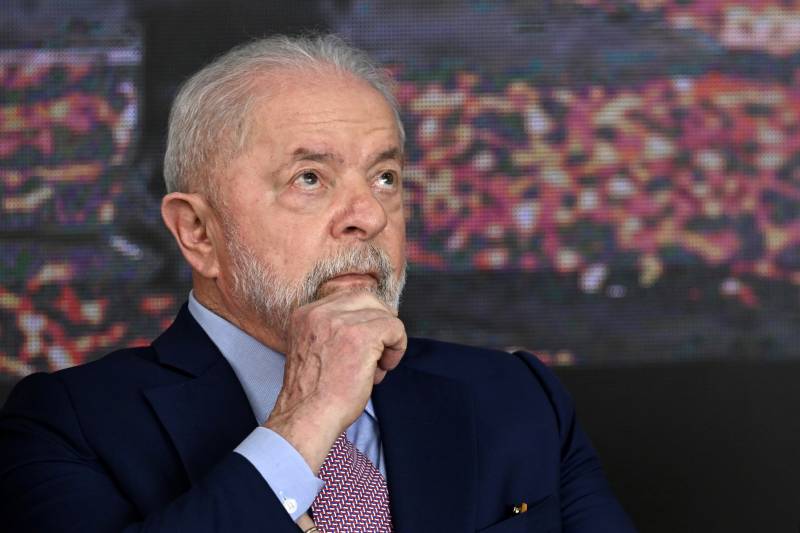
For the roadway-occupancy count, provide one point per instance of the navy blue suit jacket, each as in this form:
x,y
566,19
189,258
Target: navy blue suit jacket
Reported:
x,y
142,440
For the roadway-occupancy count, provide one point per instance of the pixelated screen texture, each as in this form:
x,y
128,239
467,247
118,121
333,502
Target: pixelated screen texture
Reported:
x,y
598,182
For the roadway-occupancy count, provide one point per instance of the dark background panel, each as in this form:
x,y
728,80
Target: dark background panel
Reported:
x,y
700,447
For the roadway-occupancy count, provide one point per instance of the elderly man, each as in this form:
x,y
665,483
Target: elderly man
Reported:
x,y
286,394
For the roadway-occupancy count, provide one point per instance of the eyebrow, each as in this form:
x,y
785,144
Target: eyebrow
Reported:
x,y
391,153
304,154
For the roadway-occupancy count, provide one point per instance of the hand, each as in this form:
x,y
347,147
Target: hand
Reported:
x,y
338,348
304,522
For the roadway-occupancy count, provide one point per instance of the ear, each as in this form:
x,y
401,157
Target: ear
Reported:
x,y
193,223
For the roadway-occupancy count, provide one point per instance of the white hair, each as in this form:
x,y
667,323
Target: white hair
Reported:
x,y
208,123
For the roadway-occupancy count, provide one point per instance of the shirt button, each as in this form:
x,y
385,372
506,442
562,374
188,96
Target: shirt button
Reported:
x,y
290,504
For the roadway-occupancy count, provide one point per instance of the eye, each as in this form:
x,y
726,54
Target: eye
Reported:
x,y
387,180
308,179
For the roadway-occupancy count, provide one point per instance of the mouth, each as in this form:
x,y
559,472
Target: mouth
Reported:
x,y
355,278
349,281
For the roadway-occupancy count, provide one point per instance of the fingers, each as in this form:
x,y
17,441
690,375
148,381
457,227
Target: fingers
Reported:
x,y
395,342
364,313
385,329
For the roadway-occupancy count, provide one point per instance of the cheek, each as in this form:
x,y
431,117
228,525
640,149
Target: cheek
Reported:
x,y
395,242
291,248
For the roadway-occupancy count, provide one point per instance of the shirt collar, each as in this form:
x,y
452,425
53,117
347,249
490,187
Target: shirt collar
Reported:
x,y
258,368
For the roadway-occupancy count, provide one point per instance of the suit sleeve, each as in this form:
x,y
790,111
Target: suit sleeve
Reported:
x,y
50,480
587,503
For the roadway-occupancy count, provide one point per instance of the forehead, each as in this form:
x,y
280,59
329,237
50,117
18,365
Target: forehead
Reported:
x,y
301,104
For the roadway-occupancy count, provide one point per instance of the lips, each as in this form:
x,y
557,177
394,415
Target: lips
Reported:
x,y
355,277
347,281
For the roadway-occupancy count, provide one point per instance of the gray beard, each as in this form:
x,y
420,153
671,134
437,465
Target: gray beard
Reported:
x,y
273,299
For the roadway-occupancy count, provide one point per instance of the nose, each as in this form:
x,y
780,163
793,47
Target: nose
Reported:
x,y
361,214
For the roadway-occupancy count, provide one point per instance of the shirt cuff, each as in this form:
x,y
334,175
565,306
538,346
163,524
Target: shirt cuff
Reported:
x,y
283,468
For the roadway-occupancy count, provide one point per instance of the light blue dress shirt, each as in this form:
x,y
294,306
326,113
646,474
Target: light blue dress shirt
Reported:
x,y
260,372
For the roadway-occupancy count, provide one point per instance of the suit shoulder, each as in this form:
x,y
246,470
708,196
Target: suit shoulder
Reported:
x,y
427,348
120,365
490,371
113,366
464,362
115,379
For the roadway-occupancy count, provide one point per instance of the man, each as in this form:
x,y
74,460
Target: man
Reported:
x,y
286,393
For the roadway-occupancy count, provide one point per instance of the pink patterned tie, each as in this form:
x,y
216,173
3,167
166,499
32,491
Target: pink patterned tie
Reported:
x,y
354,498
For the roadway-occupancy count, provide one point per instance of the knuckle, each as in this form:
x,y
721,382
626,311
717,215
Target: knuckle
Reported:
x,y
311,312
336,322
345,333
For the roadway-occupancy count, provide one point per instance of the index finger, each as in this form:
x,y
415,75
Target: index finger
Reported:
x,y
395,342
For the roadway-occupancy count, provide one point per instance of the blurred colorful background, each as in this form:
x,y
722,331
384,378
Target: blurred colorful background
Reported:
x,y
601,182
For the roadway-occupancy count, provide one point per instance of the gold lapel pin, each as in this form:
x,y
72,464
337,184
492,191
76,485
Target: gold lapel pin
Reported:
x,y
521,508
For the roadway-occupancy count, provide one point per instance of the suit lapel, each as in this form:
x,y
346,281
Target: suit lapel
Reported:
x,y
428,436
426,423
206,414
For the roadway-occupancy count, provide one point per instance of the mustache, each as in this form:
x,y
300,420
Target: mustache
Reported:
x,y
365,259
